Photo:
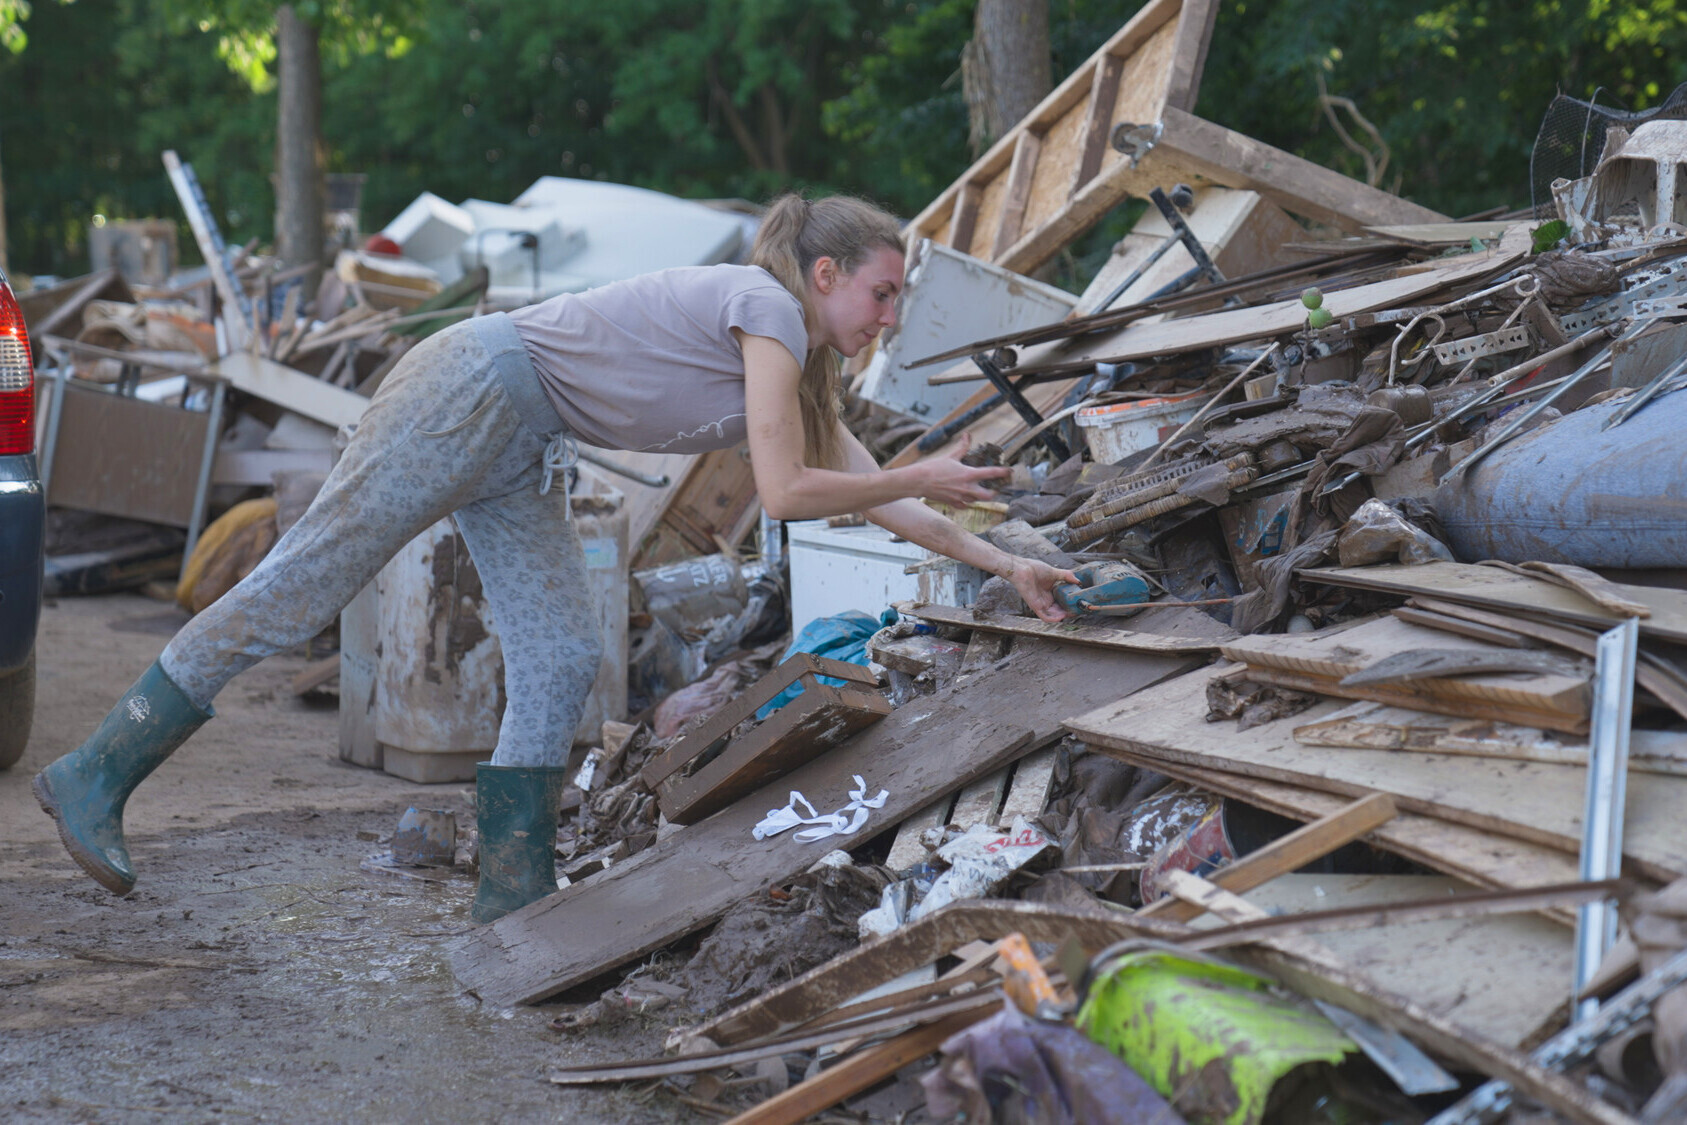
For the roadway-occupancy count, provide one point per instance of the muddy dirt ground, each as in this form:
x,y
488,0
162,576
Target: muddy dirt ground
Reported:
x,y
255,972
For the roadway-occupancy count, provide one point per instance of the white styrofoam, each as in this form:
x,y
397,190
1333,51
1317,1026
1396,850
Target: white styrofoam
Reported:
x,y
632,230
950,299
834,569
497,228
430,228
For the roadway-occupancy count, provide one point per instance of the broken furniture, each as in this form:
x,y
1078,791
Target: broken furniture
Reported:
x,y
709,767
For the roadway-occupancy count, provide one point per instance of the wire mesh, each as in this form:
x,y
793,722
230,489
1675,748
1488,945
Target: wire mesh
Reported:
x,y
1572,136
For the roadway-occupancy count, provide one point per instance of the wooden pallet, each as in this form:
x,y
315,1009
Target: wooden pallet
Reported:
x,y
1056,172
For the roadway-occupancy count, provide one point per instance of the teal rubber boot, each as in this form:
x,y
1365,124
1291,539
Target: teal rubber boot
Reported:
x,y
515,811
85,790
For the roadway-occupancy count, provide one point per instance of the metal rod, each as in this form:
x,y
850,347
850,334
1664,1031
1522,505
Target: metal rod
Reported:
x,y
1646,394
1190,243
1207,406
1021,405
1147,263
941,435
605,463
1607,790
1574,1045
1525,416
55,411
202,488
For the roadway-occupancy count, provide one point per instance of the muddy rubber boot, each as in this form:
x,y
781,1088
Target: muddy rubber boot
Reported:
x,y
85,790
516,810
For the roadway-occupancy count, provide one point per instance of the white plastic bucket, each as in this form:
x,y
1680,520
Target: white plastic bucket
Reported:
x,y
1115,432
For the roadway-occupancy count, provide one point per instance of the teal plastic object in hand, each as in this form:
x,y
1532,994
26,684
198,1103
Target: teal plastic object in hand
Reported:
x,y
1104,585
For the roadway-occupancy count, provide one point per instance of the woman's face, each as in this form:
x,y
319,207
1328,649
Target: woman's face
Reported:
x,y
853,308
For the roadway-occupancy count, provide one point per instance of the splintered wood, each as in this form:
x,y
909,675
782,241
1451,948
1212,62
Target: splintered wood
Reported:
x,y
1531,801
925,748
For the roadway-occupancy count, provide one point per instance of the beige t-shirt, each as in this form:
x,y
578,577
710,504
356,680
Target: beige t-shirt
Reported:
x,y
650,363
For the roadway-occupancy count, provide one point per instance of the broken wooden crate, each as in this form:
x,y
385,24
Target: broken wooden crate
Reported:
x,y
726,768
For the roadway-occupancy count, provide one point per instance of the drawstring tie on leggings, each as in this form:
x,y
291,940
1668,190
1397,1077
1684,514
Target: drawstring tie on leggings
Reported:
x,y
561,455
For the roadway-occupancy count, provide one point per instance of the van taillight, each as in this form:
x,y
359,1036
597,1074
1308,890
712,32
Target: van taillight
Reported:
x,y
17,379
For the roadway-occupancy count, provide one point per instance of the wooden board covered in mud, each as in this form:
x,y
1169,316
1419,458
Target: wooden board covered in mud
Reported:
x,y
1528,800
928,747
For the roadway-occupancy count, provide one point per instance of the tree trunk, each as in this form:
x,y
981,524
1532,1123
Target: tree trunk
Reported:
x,y
1005,68
298,150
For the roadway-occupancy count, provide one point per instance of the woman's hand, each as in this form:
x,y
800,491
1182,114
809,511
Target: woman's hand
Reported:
x,y
947,480
1035,581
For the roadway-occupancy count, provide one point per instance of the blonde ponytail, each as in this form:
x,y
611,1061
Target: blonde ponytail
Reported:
x,y
795,233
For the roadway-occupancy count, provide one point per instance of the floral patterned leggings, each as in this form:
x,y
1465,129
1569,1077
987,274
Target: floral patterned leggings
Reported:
x,y
458,428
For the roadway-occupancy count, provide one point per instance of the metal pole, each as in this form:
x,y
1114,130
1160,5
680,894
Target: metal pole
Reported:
x,y
201,490
1607,788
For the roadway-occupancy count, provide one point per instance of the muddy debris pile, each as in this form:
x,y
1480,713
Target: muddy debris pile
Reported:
x,y
1317,804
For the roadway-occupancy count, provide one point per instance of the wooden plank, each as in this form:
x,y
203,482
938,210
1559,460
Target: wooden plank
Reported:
x,y
1189,55
815,721
1491,588
1320,659
1098,119
967,202
1026,150
1374,726
1335,983
1070,93
1146,340
908,849
925,748
1203,635
286,386
1474,856
856,1073
1226,157
1409,696
978,802
913,946
1029,790
1441,234
1527,800
1653,672
1286,854
715,729
1487,970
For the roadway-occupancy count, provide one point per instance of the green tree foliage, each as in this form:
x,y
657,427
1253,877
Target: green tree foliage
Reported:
x,y
470,98
1457,89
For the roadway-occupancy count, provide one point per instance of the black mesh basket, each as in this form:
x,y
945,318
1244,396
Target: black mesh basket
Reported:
x,y
1572,136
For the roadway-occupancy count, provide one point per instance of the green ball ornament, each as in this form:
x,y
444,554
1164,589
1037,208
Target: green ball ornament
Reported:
x,y
1312,298
1319,318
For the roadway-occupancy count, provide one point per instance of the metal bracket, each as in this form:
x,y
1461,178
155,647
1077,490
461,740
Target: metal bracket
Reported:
x,y
1489,343
1135,141
998,378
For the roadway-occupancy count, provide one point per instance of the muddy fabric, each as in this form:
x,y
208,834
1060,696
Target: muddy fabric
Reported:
x,y
460,428
1011,1068
1257,609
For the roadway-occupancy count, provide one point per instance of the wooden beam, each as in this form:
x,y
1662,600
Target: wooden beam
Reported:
x,y
967,201
1281,856
925,748
1026,151
1098,120
856,1073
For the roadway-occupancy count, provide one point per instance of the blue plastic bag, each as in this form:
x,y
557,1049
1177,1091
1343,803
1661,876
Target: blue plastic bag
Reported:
x,y
843,637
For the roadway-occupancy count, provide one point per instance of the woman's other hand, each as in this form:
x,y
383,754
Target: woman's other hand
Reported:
x,y
949,481
1035,581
